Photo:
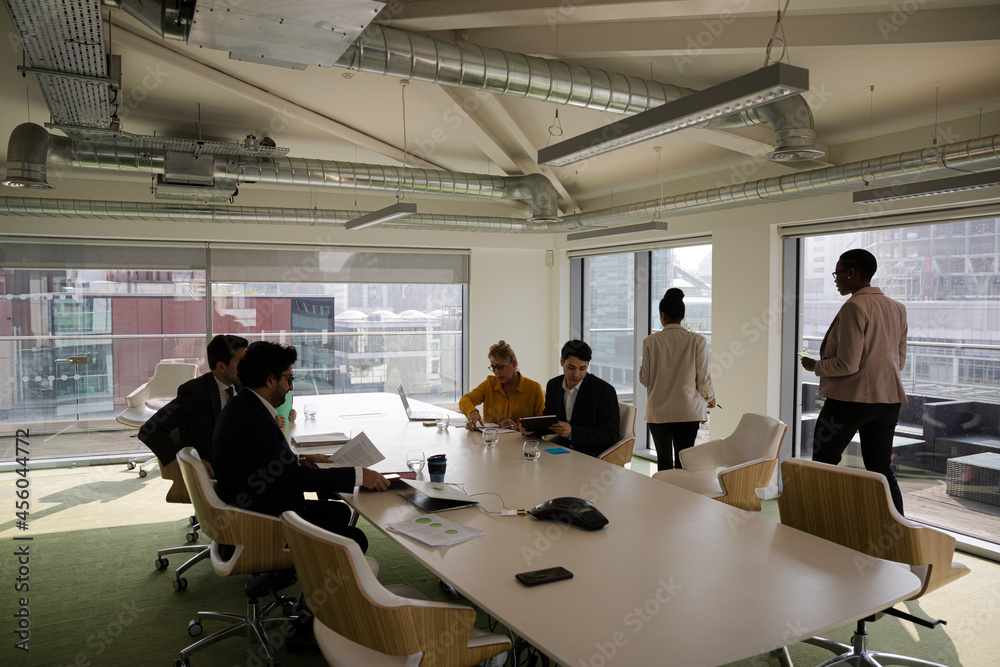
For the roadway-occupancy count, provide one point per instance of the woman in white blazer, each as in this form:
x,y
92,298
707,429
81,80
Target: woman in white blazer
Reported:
x,y
675,372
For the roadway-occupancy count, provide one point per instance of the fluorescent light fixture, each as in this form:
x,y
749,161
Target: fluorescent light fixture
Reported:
x,y
940,186
397,210
625,230
748,91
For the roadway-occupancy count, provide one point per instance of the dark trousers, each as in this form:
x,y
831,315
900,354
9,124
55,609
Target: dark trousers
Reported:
x,y
836,425
669,439
333,516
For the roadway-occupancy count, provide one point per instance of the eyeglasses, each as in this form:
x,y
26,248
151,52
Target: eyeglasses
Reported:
x,y
496,367
289,376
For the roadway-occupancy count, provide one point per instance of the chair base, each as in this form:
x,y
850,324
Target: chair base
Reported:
x,y
252,625
132,464
858,655
201,552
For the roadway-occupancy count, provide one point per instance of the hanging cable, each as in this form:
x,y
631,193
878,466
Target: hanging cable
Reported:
x,y
399,188
778,28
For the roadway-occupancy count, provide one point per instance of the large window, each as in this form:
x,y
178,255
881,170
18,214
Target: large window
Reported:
x,y
83,325
947,444
618,306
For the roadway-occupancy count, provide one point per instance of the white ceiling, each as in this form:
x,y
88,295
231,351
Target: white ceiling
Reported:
x,y
928,60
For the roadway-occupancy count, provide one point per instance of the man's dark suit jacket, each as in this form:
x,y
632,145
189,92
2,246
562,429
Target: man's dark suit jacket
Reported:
x,y
193,413
255,467
595,414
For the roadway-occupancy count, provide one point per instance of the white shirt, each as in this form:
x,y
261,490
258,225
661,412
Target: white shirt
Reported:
x,y
675,371
569,398
223,391
359,476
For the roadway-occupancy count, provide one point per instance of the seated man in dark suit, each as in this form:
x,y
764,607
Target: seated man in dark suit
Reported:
x,y
586,405
198,404
254,465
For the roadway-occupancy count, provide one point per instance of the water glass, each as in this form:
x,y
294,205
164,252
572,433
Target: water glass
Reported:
x,y
443,422
532,449
491,436
415,460
310,410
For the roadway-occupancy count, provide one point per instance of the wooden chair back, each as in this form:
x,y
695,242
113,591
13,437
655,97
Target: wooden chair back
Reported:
x,y
344,595
620,453
177,493
854,508
258,538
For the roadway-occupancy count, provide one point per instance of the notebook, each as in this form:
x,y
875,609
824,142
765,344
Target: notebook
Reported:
x,y
436,496
415,416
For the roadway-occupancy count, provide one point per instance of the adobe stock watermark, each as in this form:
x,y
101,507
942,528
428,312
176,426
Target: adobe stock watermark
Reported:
x,y
633,622
703,39
899,17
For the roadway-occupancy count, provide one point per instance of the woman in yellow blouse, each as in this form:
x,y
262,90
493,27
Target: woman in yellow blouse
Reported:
x,y
506,395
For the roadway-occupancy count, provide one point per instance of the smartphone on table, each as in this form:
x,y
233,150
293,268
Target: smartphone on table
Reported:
x,y
549,574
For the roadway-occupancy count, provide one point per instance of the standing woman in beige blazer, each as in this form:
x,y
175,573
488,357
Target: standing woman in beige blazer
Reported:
x,y
675,372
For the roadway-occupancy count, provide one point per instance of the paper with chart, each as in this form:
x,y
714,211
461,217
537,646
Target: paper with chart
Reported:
x,y
432,530
359,451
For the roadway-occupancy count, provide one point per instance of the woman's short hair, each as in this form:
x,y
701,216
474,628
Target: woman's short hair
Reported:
x,y
861,261
672,304
502,353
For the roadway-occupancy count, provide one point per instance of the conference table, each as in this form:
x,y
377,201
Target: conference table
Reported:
x,y
674,578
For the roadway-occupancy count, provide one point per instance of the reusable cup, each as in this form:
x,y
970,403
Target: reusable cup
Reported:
x,y
435,466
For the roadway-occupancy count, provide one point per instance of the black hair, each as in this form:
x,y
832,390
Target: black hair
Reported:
x,y
263,360
576,348
861,261
223,347
672,304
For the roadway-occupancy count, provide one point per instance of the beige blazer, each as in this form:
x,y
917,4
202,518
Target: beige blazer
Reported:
x,y
675,372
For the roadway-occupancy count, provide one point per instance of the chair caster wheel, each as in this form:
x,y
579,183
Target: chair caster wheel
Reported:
x,y
288,609
192,537
192,519
142,473
181,584
182,662
194,628
161,563
130,465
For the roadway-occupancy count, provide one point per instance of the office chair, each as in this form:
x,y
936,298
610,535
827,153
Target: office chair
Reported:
x,y
177,493
731,469
360,623
620,453
853,508
256,544
149,397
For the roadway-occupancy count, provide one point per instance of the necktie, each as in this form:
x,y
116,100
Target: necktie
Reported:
x,y
230,392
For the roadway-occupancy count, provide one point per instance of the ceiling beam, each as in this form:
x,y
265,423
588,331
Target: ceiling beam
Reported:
x,y
727,34
125,39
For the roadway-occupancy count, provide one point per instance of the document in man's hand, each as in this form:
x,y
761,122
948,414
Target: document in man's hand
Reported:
x,y
432,530
359,451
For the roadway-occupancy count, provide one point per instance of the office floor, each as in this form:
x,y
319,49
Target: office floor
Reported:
x,y
96,599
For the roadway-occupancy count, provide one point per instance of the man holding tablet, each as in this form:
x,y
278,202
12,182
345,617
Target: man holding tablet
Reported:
x,y
586,405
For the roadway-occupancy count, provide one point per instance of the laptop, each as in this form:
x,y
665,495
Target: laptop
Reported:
x,y
415,416
434,497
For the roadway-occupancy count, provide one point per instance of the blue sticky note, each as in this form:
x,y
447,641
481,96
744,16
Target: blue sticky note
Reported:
x,y
557,450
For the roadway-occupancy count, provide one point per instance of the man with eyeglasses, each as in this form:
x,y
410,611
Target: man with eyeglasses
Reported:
x,y
861,358
254,465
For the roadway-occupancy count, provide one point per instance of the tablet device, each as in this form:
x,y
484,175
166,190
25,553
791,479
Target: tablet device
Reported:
x,y
539,425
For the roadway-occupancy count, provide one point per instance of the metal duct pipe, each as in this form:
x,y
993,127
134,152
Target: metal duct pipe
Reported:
x,y
974,155
294,171
27,157
395,52
164,212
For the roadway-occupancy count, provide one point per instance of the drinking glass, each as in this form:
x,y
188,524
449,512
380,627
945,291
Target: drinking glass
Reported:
x,y
310,410
443,422
415,460
491,436
532,449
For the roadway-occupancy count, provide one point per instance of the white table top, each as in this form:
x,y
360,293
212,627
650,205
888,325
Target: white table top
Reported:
x,y
674,576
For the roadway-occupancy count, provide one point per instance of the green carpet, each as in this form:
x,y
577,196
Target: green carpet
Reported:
x,y
95,598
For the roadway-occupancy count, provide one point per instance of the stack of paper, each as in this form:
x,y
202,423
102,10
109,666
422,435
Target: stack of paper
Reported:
x,y
432,530
319,439
359,451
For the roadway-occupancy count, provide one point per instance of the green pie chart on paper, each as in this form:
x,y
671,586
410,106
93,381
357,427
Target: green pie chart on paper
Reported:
x,y
435,525
423,519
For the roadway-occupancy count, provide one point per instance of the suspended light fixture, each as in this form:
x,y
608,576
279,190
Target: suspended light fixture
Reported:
x,y
398,210
625,230
761,87
940,186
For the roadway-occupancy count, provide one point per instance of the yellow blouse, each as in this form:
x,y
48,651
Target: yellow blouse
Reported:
x,y
526,401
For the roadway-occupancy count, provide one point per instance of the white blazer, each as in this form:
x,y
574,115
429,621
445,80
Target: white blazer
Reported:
x,y
675,371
